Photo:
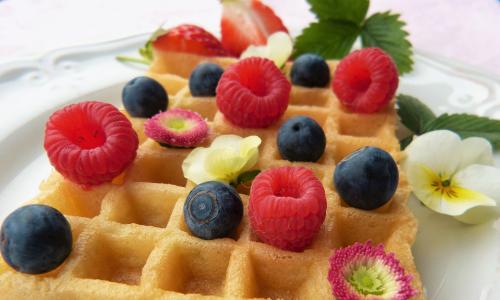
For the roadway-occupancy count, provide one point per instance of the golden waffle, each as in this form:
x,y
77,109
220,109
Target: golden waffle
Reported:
x,y
131,242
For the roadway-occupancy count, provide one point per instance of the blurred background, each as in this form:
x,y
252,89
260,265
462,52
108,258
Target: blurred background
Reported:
x,y
463,30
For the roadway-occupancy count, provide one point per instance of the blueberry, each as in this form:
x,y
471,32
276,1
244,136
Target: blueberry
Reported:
x,y
367,178
213,210
301,139
310,70
35,239
144,97
204,79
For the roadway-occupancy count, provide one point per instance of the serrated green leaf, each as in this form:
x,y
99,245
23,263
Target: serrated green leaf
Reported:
x,y
330,39
413,113
340,10
386,31
247,176
467,125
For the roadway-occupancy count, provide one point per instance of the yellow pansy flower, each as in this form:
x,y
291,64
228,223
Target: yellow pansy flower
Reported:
x,y
453,176
227,157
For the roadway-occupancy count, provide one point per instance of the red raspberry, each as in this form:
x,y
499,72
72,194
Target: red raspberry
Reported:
x,y
253,93
287,207
366,80
90,142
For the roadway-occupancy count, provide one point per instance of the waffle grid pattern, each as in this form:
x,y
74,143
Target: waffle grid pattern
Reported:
x,y
130,240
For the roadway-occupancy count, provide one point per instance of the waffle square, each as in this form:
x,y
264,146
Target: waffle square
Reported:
x,y
131,242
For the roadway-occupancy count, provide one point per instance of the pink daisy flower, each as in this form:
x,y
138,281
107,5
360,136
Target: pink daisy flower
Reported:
x,y
364,271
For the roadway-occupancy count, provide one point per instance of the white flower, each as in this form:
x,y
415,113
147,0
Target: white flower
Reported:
x,y
278,49
227,157
453,176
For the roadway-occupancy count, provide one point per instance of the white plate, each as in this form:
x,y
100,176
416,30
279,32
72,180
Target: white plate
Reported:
x,y
455,261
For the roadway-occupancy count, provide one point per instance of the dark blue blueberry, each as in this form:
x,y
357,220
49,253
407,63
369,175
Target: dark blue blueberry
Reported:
x,y
213,210
144,97
301,139
204,79
35,239
366,179
310,70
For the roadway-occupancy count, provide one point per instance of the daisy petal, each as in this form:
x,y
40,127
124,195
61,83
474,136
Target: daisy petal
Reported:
x,y
436,149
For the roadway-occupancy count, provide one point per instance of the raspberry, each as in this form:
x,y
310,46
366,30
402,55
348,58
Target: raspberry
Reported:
x,y
287,207
253,93
90,143
366,80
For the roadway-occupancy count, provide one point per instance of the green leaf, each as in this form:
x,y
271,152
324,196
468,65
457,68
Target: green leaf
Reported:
x,y
405,142
340,10
467,125
146,51
247,176
385,30
413,113
330,39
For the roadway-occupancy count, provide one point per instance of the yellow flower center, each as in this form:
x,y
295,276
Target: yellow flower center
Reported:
x,y
444,187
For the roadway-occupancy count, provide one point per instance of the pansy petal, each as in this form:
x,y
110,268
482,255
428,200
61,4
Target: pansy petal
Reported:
x,y
464,200
485,180
480,178
224,164
252,50
420,178
479,214
454,203
475,150
227,141
280,47
193,166
436,149
248,144
252,159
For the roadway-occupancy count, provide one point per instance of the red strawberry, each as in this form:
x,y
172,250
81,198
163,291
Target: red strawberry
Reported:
x,y
287,207
90,142
253,93
247,22
366,80
190,39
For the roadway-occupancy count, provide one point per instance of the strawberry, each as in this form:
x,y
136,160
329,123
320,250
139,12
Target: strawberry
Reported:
x,y
247,22
190,39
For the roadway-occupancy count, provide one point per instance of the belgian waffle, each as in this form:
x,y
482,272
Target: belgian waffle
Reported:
x,y
130,240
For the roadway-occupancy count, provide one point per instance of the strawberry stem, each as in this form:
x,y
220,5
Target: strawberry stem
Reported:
x,y
126,59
